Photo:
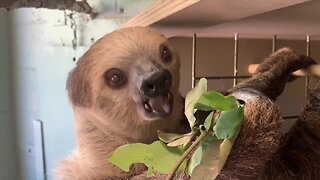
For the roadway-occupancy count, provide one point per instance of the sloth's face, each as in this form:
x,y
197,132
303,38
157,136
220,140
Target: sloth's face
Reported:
x,y
154,83
128,81
149,81
141,71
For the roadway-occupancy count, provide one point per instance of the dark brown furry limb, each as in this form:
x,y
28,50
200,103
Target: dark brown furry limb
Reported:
x,y
275,71
257,149
298,158
258,139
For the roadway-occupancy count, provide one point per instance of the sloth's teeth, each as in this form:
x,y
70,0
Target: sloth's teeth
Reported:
x,y
147,106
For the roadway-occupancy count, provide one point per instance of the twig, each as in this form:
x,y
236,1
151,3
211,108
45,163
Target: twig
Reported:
x,y
185,154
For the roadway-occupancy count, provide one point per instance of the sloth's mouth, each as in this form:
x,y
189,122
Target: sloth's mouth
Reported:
x,y
159,106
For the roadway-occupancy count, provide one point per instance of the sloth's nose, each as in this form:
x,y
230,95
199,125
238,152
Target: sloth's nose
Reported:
x,y
158,84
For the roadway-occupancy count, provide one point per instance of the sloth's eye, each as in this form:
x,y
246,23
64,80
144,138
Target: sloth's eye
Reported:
x,y
115,78
165,54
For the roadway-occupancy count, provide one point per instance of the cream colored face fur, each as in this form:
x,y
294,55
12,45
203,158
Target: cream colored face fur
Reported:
x,y
137,53
109,114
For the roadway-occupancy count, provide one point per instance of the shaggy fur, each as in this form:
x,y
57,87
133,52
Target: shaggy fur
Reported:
x,y
257,147
258,139
272,75
107,118
299,153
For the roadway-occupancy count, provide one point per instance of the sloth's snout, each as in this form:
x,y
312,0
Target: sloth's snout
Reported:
x,y
158,84
156,98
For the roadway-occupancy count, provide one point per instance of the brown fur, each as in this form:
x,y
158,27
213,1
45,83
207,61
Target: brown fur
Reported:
x,y
272,156
271,76
299,153
258,139
106,118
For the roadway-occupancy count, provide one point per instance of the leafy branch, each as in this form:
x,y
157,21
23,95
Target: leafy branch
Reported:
x,y
216,127
185,155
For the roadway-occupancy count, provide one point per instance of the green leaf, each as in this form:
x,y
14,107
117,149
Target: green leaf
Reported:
x,y
191,99
207,123
156,156
225,148
181,141
208,168
215,101
197,155
208,163
195,159
169,137
228,123
174,140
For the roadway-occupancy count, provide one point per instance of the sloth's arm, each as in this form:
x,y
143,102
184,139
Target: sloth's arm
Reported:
x,y
298,156
260,135
273,73
258,139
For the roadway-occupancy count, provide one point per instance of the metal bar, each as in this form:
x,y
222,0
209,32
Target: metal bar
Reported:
x,y
274,41
223,77
307,78
235,59
39,150
193,68
308,45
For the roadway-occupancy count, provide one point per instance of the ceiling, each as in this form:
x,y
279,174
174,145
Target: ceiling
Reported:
x,y
300,18
211,12
207,18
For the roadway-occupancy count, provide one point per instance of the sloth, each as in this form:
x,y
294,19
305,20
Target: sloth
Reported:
x,y
262,151
123,90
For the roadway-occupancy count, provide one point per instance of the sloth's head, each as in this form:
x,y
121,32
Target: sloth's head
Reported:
x,y
129,72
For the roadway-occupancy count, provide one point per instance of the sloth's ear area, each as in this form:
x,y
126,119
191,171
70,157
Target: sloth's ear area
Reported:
x,y
78,86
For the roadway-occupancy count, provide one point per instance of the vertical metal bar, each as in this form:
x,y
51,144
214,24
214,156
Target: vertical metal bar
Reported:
x,y
235,59
39,150
308,54
274,41
193,68
308,45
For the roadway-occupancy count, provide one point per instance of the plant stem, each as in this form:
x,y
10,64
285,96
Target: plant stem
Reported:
x,y
185,154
